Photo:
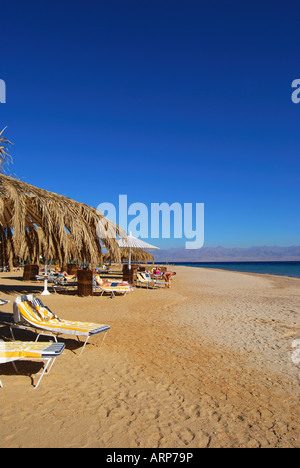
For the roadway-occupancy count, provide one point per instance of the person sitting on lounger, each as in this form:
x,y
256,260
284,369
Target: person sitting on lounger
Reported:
x,y
65,275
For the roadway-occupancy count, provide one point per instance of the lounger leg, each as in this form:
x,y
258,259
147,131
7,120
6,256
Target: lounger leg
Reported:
x,y
51,365
103,339
84,345
42,334
1,386
12,333
49,362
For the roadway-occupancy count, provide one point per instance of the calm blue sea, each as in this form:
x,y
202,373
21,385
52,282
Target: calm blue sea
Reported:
x,y
266,268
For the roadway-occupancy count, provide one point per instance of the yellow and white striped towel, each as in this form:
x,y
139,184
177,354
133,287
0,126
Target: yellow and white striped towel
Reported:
x,y
32,312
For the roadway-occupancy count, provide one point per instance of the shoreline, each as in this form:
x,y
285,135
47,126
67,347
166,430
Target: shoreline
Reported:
x,y
206,363
235,271
242,272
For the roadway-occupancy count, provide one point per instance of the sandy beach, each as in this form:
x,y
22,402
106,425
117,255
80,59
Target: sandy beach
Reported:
x,y
206,363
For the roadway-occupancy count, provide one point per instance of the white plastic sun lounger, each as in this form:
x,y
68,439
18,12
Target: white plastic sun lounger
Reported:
x,y
114,288
158,282
28,350
62,284
31,314
145,282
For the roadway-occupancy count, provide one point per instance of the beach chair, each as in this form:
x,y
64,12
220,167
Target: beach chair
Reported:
x,y
62,284
50,278
158,282
142,281
113,289
29,313
28,350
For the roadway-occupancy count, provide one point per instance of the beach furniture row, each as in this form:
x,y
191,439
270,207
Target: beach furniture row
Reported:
x,y
30,314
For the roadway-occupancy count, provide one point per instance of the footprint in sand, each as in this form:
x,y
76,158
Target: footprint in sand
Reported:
x,y
186,435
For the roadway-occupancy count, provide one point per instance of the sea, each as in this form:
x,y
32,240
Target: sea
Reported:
x,y
266,268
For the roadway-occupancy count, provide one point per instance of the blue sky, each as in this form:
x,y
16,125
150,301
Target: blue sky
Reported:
x,y
165,101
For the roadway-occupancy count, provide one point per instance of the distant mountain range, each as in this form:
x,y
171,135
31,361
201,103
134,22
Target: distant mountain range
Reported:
x,y
223,254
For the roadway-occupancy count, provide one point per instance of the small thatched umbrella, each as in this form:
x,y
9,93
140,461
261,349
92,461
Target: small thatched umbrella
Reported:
x,y
24,208
137,255
131,243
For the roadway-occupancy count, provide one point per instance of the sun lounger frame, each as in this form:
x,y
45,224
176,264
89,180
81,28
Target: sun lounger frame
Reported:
x,y
109,290
39,332
62,285
49,361
143,281
158,282
112,290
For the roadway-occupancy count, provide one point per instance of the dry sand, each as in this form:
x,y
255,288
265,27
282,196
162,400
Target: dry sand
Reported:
x,y
206,363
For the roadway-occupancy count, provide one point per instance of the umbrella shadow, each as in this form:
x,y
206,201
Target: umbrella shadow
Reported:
x,y
21,289
24,368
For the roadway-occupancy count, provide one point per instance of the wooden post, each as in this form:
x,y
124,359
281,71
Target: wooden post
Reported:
x,y
84,283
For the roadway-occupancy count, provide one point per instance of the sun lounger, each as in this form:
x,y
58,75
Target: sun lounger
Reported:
x,y
27,350
158,282
31,314
113,288
142,281
50,278
62,284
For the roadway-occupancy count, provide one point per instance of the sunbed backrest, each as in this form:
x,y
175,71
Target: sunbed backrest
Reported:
x,y
140,277
98,280
147,276
29,309
42,311
27,313
17,309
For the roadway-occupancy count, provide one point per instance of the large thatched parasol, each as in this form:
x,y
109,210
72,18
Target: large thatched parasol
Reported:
x,y
38,246
67,229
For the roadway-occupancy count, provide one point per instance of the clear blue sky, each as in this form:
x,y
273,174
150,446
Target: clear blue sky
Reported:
x,y
165,101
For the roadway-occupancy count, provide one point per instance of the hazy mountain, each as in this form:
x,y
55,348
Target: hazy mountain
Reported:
x,y
222,254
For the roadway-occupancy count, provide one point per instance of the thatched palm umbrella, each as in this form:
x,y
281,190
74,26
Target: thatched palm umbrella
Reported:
x,y
137,255
132,243
24,208
37,246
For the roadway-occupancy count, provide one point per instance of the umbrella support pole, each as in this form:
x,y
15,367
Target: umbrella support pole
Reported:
x,y
46,292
